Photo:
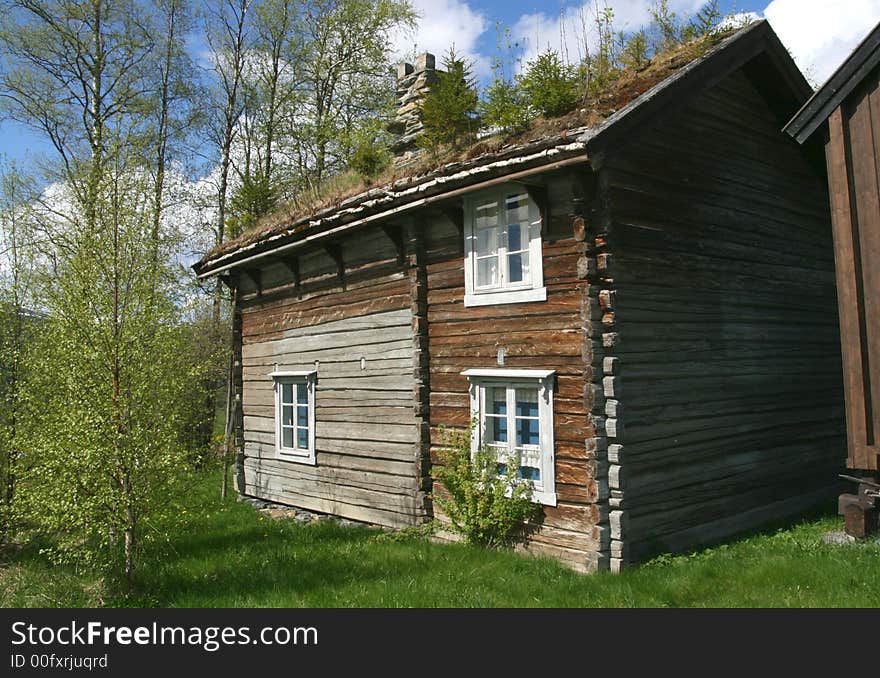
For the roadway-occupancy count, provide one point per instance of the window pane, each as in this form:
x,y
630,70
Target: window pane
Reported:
x,y
286,415
514,238
496,400
515,267
527,432
487,272
302,438
526,402
486,215
496,429
286,437
501,469
529,473
302,416
302,394
286,392
517,208
487,241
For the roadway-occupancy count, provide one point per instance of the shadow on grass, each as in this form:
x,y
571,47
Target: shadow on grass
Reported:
x,y
280,563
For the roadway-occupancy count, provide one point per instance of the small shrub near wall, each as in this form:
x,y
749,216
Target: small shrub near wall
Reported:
x,y
487,505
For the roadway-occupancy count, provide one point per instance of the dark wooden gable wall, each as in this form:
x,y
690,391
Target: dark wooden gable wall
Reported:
x,y
723,375
853,156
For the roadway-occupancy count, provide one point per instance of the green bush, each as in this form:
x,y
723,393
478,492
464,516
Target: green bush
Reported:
x,y
370,157
549,85
485,506
505,107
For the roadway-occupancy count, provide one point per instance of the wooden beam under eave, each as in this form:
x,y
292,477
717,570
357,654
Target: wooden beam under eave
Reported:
x,y
291,263
255,275
455,214
334,250
395,235
538,194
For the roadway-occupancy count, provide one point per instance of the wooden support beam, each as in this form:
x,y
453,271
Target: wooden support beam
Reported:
x,y
395,235
255,275
291,263
228,280
455,214
334,250
538,194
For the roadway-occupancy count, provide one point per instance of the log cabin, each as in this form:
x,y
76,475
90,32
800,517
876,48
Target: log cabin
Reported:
x,y
637,305
844,114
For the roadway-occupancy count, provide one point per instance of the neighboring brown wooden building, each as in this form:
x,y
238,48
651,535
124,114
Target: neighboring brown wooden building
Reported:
x,y
846,112
640,308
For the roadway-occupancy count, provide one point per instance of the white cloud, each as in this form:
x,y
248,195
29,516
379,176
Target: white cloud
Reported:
x,y
566,30
442,24
821,33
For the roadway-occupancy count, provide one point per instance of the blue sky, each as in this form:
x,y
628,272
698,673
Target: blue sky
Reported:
x,y
818,33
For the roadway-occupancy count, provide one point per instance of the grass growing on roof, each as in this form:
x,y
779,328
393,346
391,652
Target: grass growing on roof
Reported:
x,y
229,555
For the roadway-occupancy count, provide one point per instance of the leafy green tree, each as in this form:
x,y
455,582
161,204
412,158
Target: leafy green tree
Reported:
x,y
18,267
346,58
101,422
449,109
550,85
107,376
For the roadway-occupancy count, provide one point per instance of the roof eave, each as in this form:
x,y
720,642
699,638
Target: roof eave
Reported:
x,y
838,87
702,73
410,199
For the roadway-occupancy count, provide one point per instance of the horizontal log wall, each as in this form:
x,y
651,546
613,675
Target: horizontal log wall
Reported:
x,y
369,438
539,335
728,410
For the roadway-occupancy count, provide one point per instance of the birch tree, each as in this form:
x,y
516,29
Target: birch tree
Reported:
x,y
17,315
345,71
107,372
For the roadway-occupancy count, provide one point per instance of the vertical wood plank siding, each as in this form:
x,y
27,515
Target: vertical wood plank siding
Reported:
x,y
369,455
853,156
535,335
731,411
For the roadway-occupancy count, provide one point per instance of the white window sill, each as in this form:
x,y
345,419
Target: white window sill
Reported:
x,y
538,497
308,459
505,297
545,498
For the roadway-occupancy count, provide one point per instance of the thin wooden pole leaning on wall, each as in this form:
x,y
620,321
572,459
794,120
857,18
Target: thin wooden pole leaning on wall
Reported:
x,y
228,442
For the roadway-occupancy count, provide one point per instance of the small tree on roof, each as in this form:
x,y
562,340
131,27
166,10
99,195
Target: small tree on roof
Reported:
x,y
449,111
550,85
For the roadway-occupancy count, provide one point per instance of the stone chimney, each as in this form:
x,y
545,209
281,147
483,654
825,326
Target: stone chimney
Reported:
x,y
413,82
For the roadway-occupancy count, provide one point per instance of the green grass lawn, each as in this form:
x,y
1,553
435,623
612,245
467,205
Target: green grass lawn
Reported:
x,y
228,555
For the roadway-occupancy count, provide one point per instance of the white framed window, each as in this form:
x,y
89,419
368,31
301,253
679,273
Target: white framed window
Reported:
x,y
514,414
503,248
295,415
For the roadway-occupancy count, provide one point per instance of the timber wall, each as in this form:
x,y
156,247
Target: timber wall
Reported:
x,y
368,434
853,156
725,365
539,335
